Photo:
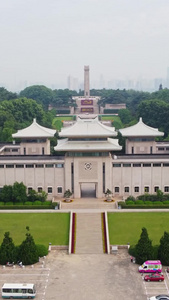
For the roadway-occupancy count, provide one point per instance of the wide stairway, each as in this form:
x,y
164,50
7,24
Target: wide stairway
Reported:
x,y
88,233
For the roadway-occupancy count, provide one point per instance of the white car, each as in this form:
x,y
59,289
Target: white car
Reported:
x,y
159,297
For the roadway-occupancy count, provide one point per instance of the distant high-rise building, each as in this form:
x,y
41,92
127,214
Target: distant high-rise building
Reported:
x,y
86,81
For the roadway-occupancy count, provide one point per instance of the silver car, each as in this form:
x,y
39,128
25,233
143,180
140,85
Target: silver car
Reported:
x,y
159,297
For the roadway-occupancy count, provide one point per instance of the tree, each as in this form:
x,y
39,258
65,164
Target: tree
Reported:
x,y
40,93
163,251
19,192
28,253
7,250
125,116
6,193
144,248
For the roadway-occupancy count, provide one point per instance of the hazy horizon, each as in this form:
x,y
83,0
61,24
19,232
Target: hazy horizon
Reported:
x,y
43,42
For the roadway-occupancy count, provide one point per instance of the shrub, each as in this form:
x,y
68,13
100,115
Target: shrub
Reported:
x,y
42,250
37,203
46,203
130,202
28,203
157,203
130,198
139,202
2,203
148,203
9,203
166,202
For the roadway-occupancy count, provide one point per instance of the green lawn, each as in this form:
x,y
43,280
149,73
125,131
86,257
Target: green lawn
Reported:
x,y
45,227
63,118
126,227
116,121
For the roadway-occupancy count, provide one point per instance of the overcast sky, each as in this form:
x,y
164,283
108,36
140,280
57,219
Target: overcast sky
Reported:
x,y
45,41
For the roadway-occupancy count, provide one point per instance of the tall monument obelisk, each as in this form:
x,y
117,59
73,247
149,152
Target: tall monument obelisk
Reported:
x,y
86,81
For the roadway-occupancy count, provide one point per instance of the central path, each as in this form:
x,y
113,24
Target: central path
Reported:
x,y
89,233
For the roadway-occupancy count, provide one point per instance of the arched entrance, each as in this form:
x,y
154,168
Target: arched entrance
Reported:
x,y
88,190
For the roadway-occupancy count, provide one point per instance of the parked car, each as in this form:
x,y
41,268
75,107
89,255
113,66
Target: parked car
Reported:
x,y
159,297
154,277
167,269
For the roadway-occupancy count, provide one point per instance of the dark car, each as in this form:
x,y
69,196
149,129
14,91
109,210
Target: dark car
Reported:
x,y
159,297
154,277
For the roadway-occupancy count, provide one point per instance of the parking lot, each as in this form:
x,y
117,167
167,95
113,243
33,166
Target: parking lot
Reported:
x,y
86,277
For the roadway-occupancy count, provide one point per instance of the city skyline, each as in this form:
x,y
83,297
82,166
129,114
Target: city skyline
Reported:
x,y
44,42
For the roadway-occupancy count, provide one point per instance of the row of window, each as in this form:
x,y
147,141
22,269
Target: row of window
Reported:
x,y
116,165
49,189
8,166
163,148
137,189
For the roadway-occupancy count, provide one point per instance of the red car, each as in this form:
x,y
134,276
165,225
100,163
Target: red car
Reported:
x,y
154,277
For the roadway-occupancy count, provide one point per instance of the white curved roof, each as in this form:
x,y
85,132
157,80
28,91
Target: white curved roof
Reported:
x,y
88,128
140,129
107,145
34,131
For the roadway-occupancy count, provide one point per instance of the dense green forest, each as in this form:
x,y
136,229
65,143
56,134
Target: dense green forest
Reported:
x,y
18,110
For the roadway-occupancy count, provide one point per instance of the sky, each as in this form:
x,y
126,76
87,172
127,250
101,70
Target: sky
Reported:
x,y
45,41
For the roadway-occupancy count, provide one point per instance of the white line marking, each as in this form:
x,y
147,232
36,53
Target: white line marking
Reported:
x,y
27,274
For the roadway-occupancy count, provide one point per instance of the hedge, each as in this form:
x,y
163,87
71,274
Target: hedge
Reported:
x,y
134,206
52,206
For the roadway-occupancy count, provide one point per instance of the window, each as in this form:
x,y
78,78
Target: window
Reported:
x,y
1,166
157,165
136,189
116,189
59,189
156,188
160,149
126,165
29,189
49,190
126,189
59,165
39,166
116,165
166,189
132,150
167,148
136,165
165,164
49,165
146,189
9,166
39,189
30,166
14,150
19,166
146,165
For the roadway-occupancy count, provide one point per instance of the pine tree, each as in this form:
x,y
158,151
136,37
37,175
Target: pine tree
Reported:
x,y
144,248
7,250
163,251
28,253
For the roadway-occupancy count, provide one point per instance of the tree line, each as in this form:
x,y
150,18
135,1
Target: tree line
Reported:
x,y
27,252
18,110
144,250
17,193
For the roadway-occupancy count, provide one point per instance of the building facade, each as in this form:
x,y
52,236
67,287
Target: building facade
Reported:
x,y
91,156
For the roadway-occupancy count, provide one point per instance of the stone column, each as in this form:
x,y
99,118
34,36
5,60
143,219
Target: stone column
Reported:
x,y
86,81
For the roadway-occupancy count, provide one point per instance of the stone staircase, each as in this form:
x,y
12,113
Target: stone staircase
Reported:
x,y
88,233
